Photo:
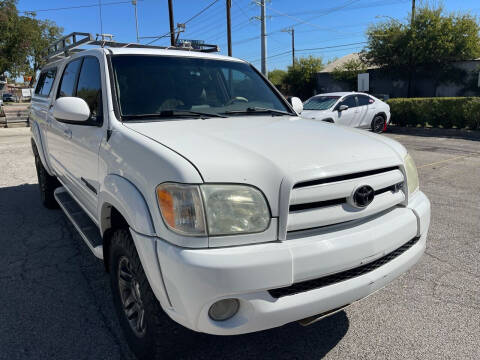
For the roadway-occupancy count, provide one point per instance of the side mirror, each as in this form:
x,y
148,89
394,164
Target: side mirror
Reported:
x,y
342,107
71,109
296,104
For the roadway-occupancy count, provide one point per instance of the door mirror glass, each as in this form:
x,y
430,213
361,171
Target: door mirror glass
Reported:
x,y
71,109
342,107
296,104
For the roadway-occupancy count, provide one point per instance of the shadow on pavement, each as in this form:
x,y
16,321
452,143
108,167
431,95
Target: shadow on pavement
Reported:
x,y
46,266
291,341
435,132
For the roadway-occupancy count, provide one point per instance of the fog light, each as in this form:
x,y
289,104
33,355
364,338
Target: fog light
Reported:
x,y
224,309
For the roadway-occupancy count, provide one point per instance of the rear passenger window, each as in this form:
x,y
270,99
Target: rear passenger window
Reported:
x,y
45,82
89,85
67,85
364,100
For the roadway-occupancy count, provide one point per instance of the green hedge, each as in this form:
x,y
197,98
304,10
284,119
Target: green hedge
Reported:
x,y
446,112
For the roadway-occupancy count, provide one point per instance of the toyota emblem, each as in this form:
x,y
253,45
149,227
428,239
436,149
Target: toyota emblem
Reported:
x,y
363,196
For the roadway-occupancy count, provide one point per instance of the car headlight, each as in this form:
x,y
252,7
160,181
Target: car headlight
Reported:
x,y
213,209
412,175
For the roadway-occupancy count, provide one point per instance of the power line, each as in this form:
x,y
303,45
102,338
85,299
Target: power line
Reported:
x,y
334,46
312,49
77,7
186,22
354,7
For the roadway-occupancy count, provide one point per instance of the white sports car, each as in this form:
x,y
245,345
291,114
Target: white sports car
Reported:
x,y
349,109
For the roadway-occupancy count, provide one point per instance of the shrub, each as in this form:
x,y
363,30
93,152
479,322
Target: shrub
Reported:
x,y
447,112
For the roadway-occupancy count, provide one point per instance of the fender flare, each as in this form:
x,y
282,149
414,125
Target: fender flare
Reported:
x,y
124,196
36,140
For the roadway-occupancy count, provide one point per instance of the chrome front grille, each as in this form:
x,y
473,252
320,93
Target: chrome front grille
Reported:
x,y
322,202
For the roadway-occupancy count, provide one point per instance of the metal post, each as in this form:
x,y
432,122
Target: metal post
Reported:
x,y
134,3
172,30
229,27
264,38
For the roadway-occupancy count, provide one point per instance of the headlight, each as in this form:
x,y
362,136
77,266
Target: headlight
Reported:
x,y
182,208
233,209
412,174
213,209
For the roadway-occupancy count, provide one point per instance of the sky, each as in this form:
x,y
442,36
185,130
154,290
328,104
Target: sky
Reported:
x,y
327,29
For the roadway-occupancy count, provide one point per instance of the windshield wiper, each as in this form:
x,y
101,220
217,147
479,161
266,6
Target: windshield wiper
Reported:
x,y
253,110
171,114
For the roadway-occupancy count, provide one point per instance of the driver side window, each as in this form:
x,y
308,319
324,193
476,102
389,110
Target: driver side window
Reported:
x,y
349,101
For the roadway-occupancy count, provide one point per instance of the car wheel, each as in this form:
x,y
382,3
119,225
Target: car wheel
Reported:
x,y
378,124
139,312
47,185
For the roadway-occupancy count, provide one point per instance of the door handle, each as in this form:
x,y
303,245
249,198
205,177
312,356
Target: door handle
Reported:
x,y
67,133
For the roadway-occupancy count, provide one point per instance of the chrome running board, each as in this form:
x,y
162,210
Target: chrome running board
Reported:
x,y
87,229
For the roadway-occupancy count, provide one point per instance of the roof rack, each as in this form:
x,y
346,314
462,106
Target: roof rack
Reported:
x,y
70,43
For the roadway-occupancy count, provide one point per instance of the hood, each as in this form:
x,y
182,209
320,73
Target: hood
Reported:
x,y
265,150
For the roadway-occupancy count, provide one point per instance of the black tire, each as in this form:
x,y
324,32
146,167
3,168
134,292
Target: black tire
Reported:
x,y
47,185
378,124
145,339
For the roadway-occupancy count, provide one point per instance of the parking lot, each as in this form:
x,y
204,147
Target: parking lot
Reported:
x,y
55,299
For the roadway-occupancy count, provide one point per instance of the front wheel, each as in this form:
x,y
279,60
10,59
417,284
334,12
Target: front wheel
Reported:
x,y
378,124
139,312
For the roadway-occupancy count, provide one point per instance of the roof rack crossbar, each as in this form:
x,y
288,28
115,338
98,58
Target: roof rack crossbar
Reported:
x,y
70,43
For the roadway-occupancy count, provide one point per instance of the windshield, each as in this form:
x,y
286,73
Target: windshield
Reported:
x,y
320,102
185,86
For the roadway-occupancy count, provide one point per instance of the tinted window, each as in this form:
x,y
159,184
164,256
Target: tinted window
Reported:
x,y
153,84
67,86
349,101
45,82
364,100
89,85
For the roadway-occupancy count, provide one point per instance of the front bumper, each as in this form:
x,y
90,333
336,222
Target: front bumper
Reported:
x,y
196,278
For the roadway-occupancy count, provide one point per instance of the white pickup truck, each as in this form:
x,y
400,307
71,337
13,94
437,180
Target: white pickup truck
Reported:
x,y
210,200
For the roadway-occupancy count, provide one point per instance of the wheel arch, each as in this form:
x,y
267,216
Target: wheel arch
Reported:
x,y
145,245
118,196
37,146
380,113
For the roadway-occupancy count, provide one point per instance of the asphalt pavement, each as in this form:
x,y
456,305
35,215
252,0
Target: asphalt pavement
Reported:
x,y
55,299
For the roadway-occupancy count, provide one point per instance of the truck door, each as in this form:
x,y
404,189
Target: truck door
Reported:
x,y
82,143
58,135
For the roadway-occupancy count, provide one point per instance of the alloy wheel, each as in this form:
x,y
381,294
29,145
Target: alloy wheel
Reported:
x,y
131,296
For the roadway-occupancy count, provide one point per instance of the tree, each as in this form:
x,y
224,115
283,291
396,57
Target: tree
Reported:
x,y
23,41
41,34
300,79
277,78
348,72
431,43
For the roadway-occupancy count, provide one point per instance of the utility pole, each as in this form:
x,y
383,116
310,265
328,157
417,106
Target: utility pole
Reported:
x,y
134,3
264,38
413,12
291,31
411,69
229,27
172,30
